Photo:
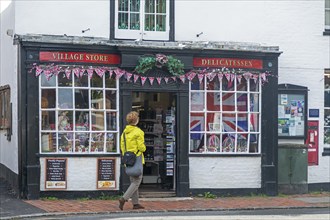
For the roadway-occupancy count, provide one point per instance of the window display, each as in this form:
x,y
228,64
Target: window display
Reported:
x,y
78,114
230,122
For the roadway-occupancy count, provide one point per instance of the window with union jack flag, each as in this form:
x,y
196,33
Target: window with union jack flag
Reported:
x,y
225,114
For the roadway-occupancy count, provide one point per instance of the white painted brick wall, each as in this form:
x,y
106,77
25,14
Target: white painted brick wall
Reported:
x,y
225,172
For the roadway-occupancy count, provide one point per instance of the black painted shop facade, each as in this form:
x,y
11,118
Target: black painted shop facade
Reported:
x,y
30,169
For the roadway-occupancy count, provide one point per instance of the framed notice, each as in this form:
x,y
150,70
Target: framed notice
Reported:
x,y
106,176
56,169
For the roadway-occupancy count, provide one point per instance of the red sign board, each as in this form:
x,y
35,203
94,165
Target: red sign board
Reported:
x,y
79,57
227,62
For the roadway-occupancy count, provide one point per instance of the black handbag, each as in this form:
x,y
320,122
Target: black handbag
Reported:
x,y
129,157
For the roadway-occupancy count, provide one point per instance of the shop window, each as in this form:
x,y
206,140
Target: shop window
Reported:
x,y
327,111
225,116
327,17
79,115
142,19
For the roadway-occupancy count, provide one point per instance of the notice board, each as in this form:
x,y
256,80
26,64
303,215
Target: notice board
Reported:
x,y
106,176
56,171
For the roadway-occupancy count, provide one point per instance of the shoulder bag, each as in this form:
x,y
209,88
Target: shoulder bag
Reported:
x,y
133,163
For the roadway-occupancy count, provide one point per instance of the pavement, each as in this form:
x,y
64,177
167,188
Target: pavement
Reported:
x,y
11,207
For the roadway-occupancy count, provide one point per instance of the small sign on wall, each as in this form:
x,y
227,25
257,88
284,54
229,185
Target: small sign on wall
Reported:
x,y
314,113
106,176
56,173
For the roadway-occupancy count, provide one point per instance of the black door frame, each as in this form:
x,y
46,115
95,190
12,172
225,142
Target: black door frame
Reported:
x,y
181,91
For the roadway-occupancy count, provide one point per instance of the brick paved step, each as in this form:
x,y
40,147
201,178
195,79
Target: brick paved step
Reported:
x,y
156,194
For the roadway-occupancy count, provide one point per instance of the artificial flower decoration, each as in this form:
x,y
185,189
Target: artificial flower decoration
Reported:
x,y
174,66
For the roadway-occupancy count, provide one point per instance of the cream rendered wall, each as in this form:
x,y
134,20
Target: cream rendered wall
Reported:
x,y
8,76
63,17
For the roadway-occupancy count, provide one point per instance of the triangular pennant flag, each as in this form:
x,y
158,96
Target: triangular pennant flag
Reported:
x,y
119,73
76,71
151,80
48,74
255,77
166,79
67,73
38,70
90,72
183,78
191,75
110,72
200,77
227,75
220,76
263,77
82,71
174,78
129,76
211,76
100,72
247,75
232,77
159,80
136,77
143,79
239,78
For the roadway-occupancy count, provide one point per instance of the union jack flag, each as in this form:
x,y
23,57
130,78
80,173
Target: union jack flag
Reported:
x,y
197,124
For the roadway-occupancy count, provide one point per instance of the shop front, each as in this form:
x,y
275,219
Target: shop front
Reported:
x,y
207,114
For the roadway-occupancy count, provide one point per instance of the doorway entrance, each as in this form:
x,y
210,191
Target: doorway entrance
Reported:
x,y
157,112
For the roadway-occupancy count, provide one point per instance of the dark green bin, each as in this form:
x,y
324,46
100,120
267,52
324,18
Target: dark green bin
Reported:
x,y
292,168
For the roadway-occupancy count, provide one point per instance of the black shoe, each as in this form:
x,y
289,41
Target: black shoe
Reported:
x,y
138,206
121,203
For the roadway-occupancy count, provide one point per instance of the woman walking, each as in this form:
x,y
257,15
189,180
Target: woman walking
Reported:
x,y
134,138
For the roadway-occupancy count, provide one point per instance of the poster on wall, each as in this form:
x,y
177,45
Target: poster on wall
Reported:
x,y
106,178
56,173
291,115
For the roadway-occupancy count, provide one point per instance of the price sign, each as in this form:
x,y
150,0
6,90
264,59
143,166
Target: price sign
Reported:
x,y
56,173
106,177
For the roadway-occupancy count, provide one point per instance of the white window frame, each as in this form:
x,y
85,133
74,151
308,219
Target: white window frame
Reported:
x,y
221,131
73,120
142,34
327,14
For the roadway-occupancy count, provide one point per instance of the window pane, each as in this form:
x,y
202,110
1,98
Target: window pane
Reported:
x,y
111,101
98,121
197,101
65,142
97,142
48,98
161,6
197,142
48,120
213,101
149,22
242,143
81,98
123,21
161,23
82,142
65,120
65,98
110,82
197,121
47,82
213,143
229,122
63,80
242,102
254,102
97,99
82,121
80,81
149,6
242,85
97,81
214,122
327,98
228,101
48,142
196,84
327,117
254,143
228,142
135,5
111,121
327,135
213,84
134,21
254,85
254,122
123,5
228,84
111,142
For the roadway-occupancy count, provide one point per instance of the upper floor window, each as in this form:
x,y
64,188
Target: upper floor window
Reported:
x,y
327,17
5,116
142,19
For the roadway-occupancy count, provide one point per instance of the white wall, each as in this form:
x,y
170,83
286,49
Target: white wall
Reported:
x,y
8,75
224,172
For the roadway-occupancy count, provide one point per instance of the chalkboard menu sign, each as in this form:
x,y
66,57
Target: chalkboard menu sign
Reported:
x,y
106,178
56,173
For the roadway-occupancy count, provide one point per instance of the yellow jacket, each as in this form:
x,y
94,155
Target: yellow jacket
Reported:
x,y
134,141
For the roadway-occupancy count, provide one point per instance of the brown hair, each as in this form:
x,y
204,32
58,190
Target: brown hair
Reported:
x,y
132,118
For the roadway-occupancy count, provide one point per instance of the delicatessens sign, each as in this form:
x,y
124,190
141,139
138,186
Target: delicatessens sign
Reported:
x,y
228,62
79,57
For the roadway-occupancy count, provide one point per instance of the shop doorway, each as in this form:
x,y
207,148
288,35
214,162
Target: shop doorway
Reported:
x,y
157,112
